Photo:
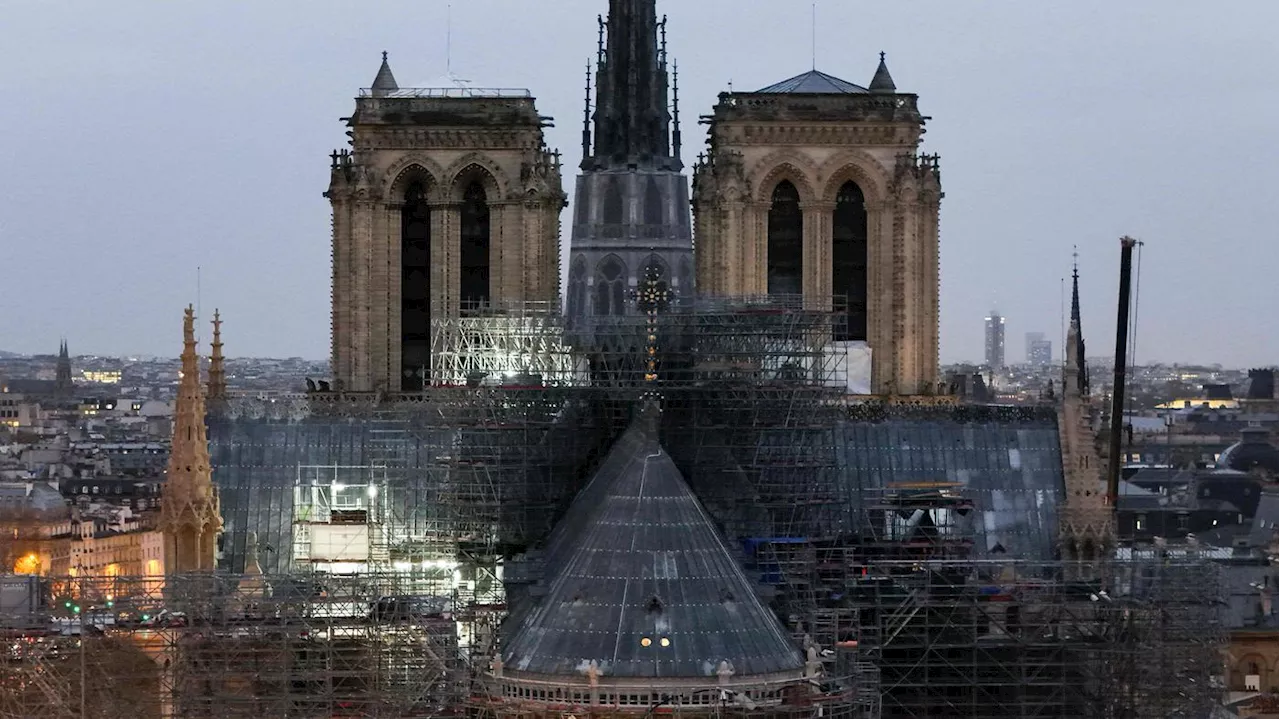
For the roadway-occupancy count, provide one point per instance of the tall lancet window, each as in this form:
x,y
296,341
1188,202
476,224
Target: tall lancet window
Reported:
x,y
786,241
610,287
849,259
475,247
654,213
613,209
577,287
415,288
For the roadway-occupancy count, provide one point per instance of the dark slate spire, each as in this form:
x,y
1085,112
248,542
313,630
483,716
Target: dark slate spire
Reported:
x,y
883,81
632,124
1078,349
641,584
62,372
385,82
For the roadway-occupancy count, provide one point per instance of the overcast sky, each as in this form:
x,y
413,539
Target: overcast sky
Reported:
x,y
144,139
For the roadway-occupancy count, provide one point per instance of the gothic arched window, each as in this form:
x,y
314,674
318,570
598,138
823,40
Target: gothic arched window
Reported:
x,y
786,241
653,210
475,247
849,259
577,287
613,201
415,288
610,287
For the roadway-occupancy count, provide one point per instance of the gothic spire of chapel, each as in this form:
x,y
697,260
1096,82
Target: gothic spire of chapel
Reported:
x,y
189,511
632,124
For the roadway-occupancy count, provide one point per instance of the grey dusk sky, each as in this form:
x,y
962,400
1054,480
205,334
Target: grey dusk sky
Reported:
x,y
144,139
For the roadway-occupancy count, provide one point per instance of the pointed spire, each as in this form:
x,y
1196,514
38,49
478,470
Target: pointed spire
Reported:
x,y
882,81
632,123
675,108
217,370
62,371
189,506
385,83
586,116
1075,336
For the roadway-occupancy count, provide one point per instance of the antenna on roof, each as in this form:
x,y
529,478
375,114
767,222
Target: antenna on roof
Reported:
x,y
813,35
448,40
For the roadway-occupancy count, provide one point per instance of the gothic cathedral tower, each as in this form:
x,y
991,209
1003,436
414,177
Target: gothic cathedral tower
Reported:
x,y
447,204
189,512
631,208
814,187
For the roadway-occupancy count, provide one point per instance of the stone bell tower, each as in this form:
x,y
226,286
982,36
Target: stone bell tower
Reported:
x,y
447,204
815,188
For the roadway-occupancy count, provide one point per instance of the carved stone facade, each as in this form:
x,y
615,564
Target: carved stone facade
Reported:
x,y
838,167
447,202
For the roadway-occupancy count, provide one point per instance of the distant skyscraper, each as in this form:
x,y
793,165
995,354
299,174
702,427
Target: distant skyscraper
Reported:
x,y
995,340
1039,350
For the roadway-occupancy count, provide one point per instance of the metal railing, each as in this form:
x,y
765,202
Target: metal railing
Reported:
x,y
446,92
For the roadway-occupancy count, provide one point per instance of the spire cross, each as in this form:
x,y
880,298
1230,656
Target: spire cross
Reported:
x,y
384,55
652,297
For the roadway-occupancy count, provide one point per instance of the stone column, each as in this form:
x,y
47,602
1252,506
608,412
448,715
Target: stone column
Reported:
x,y
362,243
340,330
380,297
929,328
392,233
879,319
446,240
816,280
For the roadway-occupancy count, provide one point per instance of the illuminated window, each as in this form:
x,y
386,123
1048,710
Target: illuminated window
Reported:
x,y
646,641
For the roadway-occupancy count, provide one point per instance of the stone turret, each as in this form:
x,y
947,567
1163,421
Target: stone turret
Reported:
x,y
189,513
217,393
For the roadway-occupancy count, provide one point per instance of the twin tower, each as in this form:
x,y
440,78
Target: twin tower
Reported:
x,y
448,204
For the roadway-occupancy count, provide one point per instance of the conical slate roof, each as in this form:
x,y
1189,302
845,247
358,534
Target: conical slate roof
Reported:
x,y
642,584
882,81
384,82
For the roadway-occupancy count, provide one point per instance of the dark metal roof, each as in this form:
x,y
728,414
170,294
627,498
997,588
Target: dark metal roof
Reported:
x,y
813,82
1011,469
639,558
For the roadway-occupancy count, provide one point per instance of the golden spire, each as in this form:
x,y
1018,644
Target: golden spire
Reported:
x,y
217,372
189,512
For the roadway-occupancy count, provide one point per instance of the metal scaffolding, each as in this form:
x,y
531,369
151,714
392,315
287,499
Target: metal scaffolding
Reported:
x,y
372,645
397,530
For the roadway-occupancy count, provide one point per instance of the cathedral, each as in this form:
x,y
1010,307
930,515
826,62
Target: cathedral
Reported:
x,y
701,512
812,190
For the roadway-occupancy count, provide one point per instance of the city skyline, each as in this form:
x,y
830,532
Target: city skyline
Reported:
x,y
173,175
